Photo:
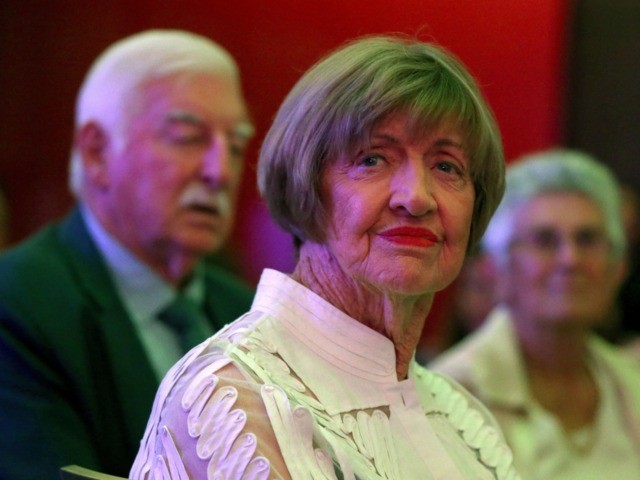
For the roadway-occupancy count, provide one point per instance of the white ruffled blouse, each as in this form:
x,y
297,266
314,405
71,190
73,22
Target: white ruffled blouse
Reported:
x,y
297,389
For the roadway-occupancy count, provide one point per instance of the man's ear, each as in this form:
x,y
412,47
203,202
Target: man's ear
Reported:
x,y
91,141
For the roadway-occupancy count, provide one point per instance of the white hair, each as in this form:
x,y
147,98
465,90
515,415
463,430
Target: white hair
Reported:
x,y
556,170
111,87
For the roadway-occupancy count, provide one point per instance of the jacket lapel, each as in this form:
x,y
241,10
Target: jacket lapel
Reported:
x,y
132,378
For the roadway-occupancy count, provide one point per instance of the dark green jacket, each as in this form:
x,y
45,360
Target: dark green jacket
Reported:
x,y
75,383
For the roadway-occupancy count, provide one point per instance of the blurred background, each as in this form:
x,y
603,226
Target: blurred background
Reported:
x,y
556,72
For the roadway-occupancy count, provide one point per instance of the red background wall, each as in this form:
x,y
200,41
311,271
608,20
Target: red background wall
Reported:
x,y
516,50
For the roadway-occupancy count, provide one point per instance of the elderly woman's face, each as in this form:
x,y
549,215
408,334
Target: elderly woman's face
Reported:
x,y
561,269
399,210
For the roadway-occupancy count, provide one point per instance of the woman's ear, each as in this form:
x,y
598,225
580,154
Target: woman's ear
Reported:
x,y
91,142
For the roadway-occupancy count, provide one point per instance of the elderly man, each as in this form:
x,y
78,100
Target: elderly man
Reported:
x,y
96,308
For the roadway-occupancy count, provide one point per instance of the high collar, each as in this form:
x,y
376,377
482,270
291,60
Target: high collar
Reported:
x,y
330,333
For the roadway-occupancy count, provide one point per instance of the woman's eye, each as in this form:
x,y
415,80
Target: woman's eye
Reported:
x,y
371,161
449,167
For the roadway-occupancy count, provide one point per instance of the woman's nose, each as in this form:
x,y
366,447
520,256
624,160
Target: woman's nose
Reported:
x,y
412,190
568,251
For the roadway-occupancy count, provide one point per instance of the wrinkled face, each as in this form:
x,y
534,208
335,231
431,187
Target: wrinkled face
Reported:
x,y
399,209
560,270
171,188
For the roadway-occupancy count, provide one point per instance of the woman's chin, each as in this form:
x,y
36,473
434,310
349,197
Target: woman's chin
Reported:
x,y
411,285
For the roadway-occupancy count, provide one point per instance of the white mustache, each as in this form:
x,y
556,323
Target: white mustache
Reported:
x,y
196,195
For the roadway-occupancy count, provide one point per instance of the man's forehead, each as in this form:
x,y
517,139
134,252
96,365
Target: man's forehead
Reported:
x,y
241,128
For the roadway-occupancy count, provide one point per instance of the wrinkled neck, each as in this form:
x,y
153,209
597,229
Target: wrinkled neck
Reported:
x,y
398,317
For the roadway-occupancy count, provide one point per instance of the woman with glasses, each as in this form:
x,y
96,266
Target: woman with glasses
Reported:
x,y
568,403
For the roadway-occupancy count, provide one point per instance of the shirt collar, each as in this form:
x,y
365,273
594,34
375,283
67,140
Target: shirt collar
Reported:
x,y
499,367
330,333
143,292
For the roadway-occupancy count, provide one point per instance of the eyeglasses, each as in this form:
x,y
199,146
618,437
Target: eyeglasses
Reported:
x,y
547,242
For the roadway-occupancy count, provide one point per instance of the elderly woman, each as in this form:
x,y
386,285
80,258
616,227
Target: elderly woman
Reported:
x,y
385,164
568,403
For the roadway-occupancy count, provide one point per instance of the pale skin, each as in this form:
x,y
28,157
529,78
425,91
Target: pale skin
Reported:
x,y
398,218
557,299
167,190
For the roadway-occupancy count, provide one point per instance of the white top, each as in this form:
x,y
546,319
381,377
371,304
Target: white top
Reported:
x,y
298,389
490,365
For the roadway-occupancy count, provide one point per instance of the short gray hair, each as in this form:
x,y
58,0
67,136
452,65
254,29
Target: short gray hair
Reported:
x,y
556,170
111,88
336,104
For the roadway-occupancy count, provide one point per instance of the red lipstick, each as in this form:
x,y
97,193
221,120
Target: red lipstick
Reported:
x,y
414,236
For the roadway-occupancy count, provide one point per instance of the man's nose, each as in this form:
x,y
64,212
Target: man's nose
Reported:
x,y
216,164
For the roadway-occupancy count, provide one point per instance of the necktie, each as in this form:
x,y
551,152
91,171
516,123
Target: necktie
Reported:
x,y
187,320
